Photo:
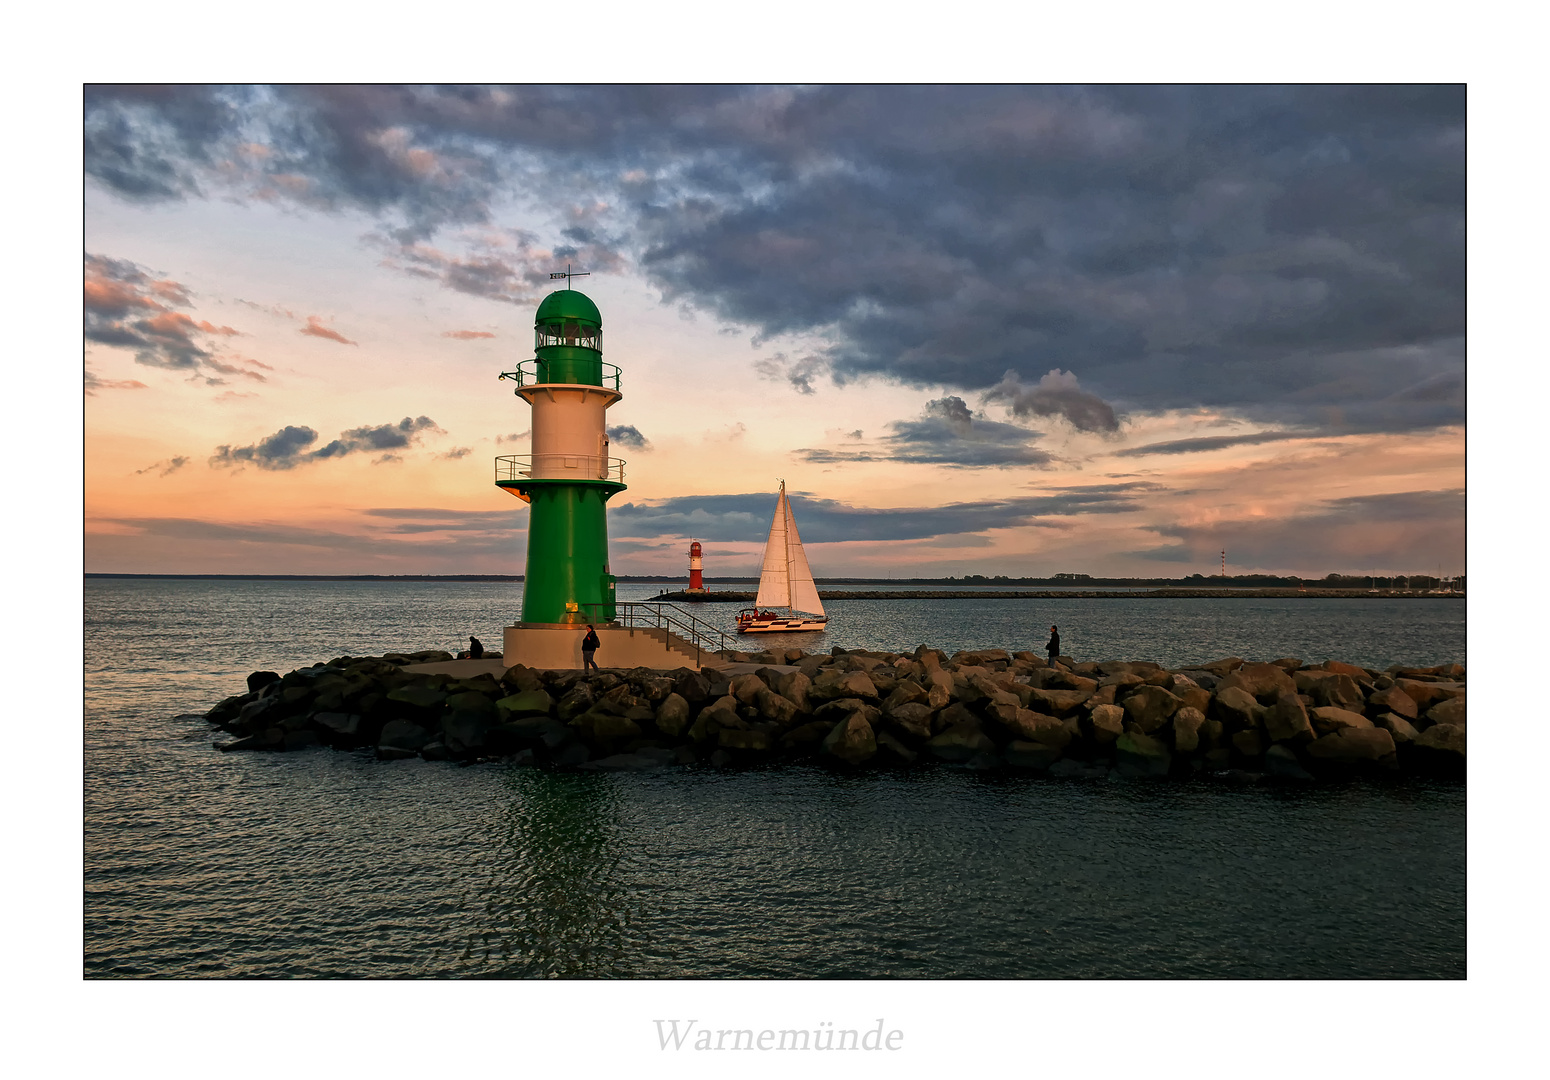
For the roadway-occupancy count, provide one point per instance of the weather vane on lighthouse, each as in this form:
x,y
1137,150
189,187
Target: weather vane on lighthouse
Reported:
x,y
567,275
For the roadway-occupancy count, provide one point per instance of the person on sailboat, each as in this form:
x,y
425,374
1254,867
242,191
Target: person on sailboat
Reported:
x,y
1054,645
589,646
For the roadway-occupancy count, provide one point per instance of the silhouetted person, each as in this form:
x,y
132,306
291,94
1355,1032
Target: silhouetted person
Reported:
x,y
475,649
589,646
1054,645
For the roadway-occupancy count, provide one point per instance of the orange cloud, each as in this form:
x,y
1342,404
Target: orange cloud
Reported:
x,y
466,335
315,328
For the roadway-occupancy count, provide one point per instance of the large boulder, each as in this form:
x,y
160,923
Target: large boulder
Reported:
x,y
403,735
524,703
1427,694
576,701
691,686
891,751
418,695
1059,702
463,730
343,725
1287,721
1440,749
1328,688
1141,755
260,679
471,701
1392,700
1029,726
793,686
1450,711
1328,719
913,719
1235,707
1352,746
1150,707
904,693
804,737
833,684
673,715
1106,723
1281,762
852,740
1187,723
1403,731
1249,743
961,742
952,716
1221,668
1264,682
774,707
746,687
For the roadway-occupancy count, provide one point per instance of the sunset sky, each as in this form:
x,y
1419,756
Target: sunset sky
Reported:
x,y
999,330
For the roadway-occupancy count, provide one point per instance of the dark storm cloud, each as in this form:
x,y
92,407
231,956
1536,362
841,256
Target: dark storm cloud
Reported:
x,y
947,433
379,438
289,447
465,545
629,436
1209,442
131,307
1294,255
1056,394
1401,532
747,517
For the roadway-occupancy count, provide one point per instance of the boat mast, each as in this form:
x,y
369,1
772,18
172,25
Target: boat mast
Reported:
x,y
785,518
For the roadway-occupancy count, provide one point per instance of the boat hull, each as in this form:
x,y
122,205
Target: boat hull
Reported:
x,y
795,624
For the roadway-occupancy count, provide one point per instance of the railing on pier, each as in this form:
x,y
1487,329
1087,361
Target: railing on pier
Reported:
x,y
536,372
558,467
702,635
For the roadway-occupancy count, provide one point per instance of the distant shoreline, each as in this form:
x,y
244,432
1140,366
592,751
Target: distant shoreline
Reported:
x,y
944,590
1075,594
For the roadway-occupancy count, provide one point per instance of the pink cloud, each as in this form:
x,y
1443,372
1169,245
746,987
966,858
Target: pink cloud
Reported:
x,y
466,335
315,328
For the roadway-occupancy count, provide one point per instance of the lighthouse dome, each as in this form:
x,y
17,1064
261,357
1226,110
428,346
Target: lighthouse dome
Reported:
x,y
568,305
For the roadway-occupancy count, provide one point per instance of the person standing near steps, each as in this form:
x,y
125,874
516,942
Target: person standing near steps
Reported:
x,y
1054,645
589,646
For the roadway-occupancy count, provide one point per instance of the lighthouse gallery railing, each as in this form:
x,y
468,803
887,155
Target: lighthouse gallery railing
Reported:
x,y
558,467
527,373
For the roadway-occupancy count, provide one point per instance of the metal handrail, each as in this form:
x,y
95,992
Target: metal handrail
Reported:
x,y
513,467
527,375
702,635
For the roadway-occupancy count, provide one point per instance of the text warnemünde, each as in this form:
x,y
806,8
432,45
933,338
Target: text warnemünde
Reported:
x,y
681,1035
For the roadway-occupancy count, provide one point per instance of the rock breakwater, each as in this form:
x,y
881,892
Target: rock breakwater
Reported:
x,y
984,709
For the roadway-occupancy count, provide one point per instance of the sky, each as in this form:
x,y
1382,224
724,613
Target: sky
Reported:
x,y
1017,330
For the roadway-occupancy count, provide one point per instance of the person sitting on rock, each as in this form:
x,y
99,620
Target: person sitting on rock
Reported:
x,y
475,649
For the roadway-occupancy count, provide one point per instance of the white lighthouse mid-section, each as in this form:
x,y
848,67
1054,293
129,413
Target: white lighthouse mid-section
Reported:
x,y
570,431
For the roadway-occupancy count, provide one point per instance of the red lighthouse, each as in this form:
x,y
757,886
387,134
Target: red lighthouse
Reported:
x,y
696,577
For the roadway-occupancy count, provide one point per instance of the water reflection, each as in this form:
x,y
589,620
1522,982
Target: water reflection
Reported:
x,y
555,901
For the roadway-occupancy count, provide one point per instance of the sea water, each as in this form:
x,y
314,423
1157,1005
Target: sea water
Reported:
x,y
322,863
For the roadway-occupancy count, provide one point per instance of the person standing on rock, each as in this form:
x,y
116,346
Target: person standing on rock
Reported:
x,y
475,649
589,646
1054,645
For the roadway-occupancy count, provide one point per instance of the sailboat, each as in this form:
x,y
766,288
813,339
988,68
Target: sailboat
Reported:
x,y
785,582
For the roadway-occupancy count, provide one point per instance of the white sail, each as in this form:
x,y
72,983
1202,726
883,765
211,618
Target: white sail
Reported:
x,y
804,593
786,581
775,577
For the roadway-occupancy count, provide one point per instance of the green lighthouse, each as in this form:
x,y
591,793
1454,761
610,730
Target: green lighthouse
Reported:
x,y
568,477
